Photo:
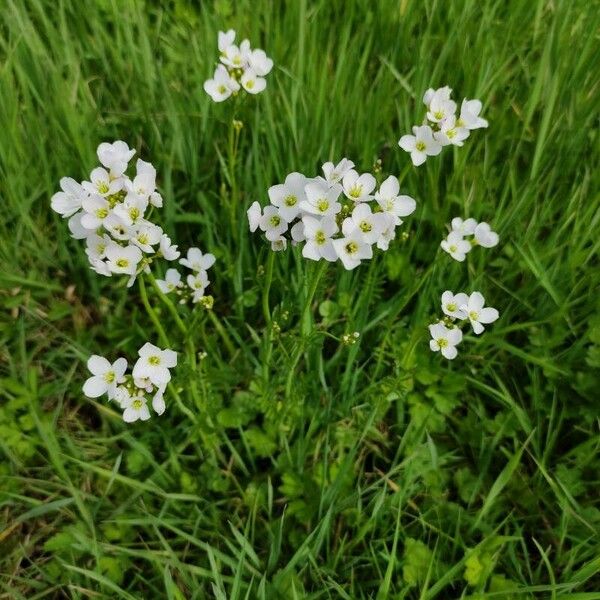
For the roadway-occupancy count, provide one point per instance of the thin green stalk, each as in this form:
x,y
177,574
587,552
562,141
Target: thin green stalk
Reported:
x,y
222,332
152,314
170,306
267,288
306,324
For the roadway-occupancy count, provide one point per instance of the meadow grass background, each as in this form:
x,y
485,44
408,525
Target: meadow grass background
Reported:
x,y
385,471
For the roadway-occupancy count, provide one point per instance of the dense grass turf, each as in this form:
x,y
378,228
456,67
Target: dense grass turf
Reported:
x,y
308,469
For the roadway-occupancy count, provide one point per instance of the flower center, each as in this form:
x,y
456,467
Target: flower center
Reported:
x,y
320,238
442,342
222,89
351,247
250,84
459,122
453,248
438,114
365,226
420,146
356,191
102,213
473,315
134,213
275,220
450,133
143,238
122,263
389,205
103,187
137,403
154,360
290,200
109,376
451,307
322,205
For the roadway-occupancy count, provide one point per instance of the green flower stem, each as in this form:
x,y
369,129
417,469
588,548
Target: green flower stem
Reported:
x,y
306,324
312,288
170,306
222,332
152,314
267,288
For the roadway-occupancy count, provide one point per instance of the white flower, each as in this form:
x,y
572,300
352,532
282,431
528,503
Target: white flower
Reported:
x,y
485,237
260,63
334,174
68,202
115,156
123,259
121,396
225,39
169,251
234,57
388,234
278,244
358,187
466,227
452,304
477,314
392,203
445,340
221,86
171,281
147,235
158,401
318,234
154,364
105,376
117,228
455,246
368,224
352,248
135,407
78,231
451,133
469,115
288,196
144,183
99,266
420,145
272,223
101,183
132,209
196,261
442,93
96,246
97,210
143,383
198,282
440,106
254,215
297,232
321,199
252,83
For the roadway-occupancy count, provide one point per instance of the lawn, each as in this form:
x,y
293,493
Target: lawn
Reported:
x,y
291,461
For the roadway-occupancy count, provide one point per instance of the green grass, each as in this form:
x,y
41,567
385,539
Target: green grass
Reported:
x,y
306,469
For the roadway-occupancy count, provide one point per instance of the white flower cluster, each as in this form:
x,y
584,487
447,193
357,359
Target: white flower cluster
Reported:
x,y
108,212
149,376
457,246
445,335
197,281
240,66
443,127
333,228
